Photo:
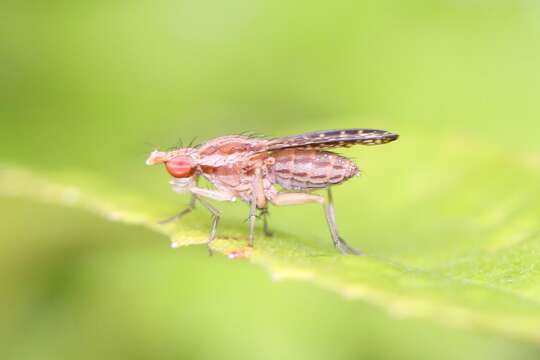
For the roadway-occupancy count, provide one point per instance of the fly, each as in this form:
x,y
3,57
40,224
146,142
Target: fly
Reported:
x,y
252,169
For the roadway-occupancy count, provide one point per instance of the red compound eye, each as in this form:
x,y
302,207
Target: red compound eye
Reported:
x,y
180,166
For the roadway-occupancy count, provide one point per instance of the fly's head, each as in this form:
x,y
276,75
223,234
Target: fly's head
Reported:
x,y
180,163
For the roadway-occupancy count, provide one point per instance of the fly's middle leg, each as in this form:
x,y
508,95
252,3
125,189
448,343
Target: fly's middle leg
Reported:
x,y
258,201
216,215
251,219
266,229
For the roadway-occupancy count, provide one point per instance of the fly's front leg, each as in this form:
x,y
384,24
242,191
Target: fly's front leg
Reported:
x,y
182,187
178,216
198,194
284,199
216,214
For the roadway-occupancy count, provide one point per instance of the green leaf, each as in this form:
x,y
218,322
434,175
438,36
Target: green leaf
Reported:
x,y
448,216
447,241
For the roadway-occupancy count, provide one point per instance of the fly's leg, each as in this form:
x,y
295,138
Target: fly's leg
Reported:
x,y
258,200
284,199
178,216
198,194
331,219
264,214
214,195
216,214
187,210
252,218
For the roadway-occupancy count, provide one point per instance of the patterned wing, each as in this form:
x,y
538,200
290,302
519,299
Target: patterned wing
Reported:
x,y
332,138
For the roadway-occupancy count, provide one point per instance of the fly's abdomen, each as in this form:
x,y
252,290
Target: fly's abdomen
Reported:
x,y
310,169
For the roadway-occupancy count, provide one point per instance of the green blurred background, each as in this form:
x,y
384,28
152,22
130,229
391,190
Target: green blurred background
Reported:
x,y
92,87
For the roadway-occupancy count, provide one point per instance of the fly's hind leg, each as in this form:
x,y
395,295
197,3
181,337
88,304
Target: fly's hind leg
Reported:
x,y
331,219
283,199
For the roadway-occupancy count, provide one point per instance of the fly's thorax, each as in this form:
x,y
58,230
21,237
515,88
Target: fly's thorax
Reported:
x,y
310,169
238,176
235,177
